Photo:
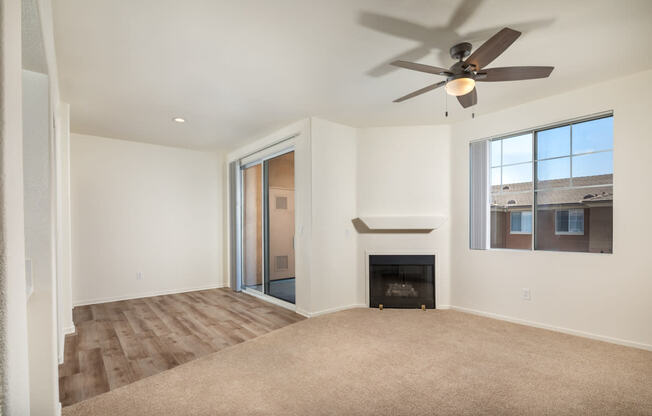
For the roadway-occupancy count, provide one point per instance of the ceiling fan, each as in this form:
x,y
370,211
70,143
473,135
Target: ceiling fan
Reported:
x,y
463,74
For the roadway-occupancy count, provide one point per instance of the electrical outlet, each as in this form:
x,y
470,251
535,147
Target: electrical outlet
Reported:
x,y
526,294
139,276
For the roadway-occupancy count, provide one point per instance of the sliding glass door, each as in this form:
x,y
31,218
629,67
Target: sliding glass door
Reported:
x,y
279,275
252,227
268,226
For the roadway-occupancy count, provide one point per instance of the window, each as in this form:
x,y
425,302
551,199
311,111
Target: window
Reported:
x,y
553,186
569,221
520,222
573,186
511,192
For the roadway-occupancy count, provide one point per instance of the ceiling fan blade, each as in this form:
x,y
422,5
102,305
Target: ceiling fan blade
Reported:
x,y
514,73
469,99
421,91
421,67
492,48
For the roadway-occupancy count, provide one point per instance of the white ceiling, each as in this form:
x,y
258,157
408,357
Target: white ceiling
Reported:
x,y
238,68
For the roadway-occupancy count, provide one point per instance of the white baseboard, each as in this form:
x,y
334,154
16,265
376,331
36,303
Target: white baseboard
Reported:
x,y
330,310
271,299
66,331
145,295
569,331
302,312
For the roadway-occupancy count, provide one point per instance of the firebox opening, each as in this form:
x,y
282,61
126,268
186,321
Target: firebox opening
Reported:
x,y
402,281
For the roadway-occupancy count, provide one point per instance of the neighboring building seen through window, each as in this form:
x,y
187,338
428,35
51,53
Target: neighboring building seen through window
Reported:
x,y
569,221
520,222
561,175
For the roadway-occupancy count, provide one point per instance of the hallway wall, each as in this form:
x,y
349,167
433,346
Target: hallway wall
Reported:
x,y
146,219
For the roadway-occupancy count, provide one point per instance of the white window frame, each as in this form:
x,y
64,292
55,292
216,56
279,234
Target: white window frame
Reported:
x,y
520,232
557,232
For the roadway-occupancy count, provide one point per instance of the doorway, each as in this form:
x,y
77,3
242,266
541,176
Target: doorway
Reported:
x,y
268,255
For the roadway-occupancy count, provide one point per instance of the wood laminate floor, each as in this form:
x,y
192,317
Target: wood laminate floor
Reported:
x,y
118,343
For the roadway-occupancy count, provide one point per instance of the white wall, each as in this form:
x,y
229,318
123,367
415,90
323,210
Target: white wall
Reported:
x,y
405,171
40,49
334,279
39,244
601,295
144,208
64,255
13,311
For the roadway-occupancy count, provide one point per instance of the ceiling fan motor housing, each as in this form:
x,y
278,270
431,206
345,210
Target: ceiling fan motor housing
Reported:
x,y
461,50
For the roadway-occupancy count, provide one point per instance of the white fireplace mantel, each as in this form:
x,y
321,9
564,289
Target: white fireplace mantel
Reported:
x,y
404,222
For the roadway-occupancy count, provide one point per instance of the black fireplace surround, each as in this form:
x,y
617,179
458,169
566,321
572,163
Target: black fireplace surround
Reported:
x,y
402,281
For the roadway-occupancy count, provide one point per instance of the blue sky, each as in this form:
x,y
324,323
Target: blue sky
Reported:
x,y
589,136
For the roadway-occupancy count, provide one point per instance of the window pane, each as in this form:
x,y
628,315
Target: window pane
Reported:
x,y
279,270
565,222
576,221
504,207
561,222
495,153
526,222
521,222
515,225
517,149
553,143
517,173
495,176
593,135
553,169
593,164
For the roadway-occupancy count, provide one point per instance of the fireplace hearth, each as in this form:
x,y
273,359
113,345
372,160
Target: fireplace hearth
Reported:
x,y
402,281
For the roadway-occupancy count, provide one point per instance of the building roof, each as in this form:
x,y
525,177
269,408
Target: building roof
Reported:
x,y
583,191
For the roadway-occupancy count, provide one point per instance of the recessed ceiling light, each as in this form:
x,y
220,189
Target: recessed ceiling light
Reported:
x,y
179,120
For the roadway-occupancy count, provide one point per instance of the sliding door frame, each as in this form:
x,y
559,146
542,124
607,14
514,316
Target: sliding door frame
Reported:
x,y
263,161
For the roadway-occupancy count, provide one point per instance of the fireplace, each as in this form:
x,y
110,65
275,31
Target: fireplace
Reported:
x,y
402,281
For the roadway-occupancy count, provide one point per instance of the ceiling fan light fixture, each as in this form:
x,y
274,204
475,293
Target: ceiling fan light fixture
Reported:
x,y
460,86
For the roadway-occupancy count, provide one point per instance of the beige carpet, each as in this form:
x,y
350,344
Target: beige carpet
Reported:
x,y
397,362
